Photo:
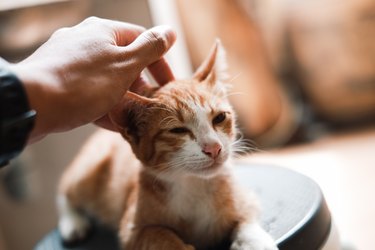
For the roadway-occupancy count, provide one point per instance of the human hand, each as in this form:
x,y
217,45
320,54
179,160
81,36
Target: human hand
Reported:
x,y
81,72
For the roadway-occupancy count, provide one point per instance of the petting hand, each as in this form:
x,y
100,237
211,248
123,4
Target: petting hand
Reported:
x,y
81,72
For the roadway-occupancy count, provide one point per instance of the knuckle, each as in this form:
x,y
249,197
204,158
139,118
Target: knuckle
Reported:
x,y
60,31
92,19
94,22
158,42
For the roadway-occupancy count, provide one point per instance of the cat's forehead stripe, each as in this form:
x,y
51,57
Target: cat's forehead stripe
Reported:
x,y
202,100
195,107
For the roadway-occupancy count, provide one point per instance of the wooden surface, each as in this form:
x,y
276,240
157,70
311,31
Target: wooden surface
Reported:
x,y
343,164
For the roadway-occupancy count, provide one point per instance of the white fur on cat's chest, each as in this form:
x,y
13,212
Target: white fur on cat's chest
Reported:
x,y
193,202
190,201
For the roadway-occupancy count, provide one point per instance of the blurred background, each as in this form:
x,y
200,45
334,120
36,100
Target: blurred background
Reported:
x,y
303,76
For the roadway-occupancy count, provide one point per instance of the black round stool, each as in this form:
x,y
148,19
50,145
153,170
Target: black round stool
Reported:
x,y
293,211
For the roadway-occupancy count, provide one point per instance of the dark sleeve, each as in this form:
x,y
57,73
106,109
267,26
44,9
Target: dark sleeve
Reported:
x,y
16,118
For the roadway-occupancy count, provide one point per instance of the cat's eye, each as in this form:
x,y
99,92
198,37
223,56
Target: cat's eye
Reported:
x,y
219,118
179,130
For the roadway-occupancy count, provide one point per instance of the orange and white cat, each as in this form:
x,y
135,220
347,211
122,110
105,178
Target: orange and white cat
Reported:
x,y
170,187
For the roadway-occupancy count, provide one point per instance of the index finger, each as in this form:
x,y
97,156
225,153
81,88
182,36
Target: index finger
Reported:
x,y
161,71
126,33
123,33
148,49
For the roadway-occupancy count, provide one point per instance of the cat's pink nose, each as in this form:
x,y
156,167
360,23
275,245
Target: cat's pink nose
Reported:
x,y
212,150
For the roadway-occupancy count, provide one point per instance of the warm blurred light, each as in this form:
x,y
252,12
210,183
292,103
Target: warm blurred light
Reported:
x,y
14,4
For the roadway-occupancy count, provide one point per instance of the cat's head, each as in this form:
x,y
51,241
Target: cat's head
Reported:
x,y
184,127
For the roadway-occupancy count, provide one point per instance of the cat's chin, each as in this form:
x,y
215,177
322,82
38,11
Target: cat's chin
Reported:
x,y
208,171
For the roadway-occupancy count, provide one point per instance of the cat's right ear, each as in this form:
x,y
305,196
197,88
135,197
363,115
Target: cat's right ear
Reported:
x,y
129,116
213,70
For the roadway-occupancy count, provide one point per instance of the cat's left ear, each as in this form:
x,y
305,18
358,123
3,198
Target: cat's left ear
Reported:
x,y
129,116
213,70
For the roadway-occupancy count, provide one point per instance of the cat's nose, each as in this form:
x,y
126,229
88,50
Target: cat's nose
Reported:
x,y
212,150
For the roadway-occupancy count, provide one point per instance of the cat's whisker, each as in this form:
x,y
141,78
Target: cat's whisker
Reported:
x,y
180,163
234,78
228,82
167,109
184,165
172,170
235,94
242,146
168,120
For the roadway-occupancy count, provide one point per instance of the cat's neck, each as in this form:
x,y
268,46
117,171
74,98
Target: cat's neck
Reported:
x,y
200,204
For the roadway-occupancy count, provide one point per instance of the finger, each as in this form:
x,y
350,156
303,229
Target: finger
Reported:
x,y
161,71
149,47
125,33
106,123
141,86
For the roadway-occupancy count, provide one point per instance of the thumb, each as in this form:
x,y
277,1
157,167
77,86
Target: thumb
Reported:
x,y
150,46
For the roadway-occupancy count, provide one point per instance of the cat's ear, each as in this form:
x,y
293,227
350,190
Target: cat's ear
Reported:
x,y
213,70
129,116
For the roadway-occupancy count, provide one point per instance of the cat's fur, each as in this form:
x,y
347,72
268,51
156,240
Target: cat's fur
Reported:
x,y
176,191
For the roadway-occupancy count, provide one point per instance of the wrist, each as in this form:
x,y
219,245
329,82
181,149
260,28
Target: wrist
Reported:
x,y
16,117
37,92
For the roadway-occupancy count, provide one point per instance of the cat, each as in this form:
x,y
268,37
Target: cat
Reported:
x,y
170,187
